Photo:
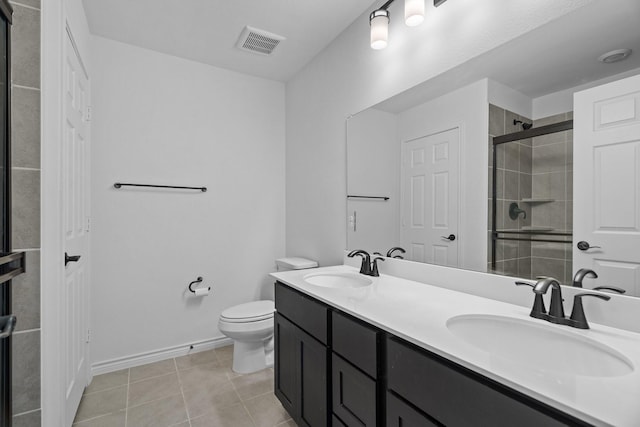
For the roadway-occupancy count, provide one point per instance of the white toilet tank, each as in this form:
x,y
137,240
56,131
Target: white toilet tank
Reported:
x,y
295,263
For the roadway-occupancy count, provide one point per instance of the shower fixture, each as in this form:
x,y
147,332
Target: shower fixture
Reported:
x,y
525,125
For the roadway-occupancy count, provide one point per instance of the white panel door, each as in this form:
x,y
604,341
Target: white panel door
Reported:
x,y
430,180
607,183
75,185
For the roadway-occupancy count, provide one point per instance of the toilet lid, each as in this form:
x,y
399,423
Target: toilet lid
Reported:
x,y
249,312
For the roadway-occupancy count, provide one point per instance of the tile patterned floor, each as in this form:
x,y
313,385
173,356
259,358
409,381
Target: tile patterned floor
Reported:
x,y
198,390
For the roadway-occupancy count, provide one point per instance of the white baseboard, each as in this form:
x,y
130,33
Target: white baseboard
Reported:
x,y
157,355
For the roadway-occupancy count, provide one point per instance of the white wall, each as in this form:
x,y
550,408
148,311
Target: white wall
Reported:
x,y
373,169
164,120
348,76
467,109
562,101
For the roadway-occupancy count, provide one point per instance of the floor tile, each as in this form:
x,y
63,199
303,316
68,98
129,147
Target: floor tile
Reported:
x,y
288,423
164,412
252,385
224,353
202,400
107,381
153,389
229,416
191,360
266,410
207,375
152,370
102,403
116,419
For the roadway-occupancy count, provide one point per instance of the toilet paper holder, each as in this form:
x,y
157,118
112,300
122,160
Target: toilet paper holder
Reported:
x,y
198,280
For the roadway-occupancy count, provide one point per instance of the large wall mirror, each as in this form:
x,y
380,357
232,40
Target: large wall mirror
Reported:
x,y
421,172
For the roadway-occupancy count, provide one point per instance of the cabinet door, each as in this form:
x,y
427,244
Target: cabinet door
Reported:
x,y
300,377
354,394
312,365
400,414
285,375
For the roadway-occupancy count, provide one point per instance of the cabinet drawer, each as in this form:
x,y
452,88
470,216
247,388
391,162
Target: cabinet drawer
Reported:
x,y
355,341
354,394
400,414
456,397
308,314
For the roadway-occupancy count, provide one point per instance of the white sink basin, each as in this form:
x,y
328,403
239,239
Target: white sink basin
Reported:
x,y
540,347
338,280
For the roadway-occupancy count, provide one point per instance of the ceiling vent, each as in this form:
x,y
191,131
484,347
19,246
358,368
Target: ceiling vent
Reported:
x,y
258,41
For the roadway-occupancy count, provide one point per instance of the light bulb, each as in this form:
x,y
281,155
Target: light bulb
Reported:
x,y
413,12
379,20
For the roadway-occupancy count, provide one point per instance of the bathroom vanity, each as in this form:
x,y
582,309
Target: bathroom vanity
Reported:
x,y
354,350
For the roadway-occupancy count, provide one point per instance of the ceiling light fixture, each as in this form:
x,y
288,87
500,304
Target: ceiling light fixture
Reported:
x,y
379,20
615,56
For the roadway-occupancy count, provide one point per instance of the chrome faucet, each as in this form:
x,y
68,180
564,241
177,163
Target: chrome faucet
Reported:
x,y
581,274
585,272
365,266
392,250
556,310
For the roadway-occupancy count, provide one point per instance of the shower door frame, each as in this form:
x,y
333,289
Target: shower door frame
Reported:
x,y
511,137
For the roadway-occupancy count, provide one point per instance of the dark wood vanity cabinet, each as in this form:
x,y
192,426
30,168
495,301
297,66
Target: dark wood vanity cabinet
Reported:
x,y
354,371
332,369
301,359
445,393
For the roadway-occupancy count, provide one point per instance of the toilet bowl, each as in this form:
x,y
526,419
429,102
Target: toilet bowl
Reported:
x,y
250,326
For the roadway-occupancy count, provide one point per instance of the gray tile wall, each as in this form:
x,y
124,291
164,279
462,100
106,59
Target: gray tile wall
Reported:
x,y
540,167
25,158
513,183
552,174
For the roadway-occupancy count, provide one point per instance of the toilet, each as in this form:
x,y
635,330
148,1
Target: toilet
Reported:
x,y
250,326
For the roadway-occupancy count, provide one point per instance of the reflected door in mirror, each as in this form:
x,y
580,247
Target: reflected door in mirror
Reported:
x,y
607,183
430,170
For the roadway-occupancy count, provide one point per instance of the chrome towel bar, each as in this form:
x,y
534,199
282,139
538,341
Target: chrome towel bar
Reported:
x,y
122,184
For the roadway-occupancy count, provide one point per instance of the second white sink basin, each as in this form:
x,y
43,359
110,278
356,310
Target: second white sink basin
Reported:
x,y
540,347
338,280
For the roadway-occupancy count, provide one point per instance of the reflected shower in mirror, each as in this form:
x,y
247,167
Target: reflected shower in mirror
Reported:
x,y
531,194
428,152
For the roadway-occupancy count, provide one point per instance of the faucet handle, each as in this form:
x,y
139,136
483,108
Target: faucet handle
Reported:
x,y
578,319
374,269
538,310
610,288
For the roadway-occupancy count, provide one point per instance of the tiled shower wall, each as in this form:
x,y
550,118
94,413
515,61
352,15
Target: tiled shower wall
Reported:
x,y
537,168
513,183
25,71
552,174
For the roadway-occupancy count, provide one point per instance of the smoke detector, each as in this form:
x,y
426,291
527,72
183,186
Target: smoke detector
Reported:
x,y
614,56
258,41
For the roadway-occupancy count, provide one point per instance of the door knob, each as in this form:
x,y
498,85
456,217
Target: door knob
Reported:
x,y
583,246
70,258
450,237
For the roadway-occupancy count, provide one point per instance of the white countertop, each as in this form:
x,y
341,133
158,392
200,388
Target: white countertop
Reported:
x,y
418,313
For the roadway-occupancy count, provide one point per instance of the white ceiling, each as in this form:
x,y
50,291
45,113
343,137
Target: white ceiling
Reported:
x,y
207,30
557,56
